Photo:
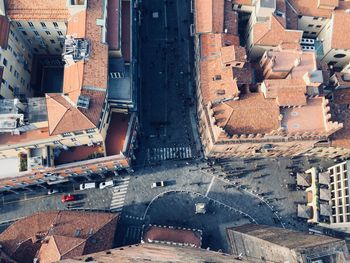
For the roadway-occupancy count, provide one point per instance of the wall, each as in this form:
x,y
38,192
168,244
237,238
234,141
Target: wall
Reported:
x,y
17,55
305,21
43,37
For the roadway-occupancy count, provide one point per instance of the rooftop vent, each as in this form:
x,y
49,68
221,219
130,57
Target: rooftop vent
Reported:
x,y
83,102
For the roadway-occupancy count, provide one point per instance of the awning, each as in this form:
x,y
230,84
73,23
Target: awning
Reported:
x,y
325,194
324,178
303,179
304,211
325,210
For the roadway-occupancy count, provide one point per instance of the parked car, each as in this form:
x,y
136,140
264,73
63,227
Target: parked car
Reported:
x,y
158,184
87,186
53,191
106,184
68,198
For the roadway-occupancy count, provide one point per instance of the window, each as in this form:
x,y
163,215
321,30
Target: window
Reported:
x,y
56,142
9,47
78,132
10,88
311,25
315,18
313,33
90,130
24,33
220,92
48,33
73,140
30,24
4,62
339,55
19,24
217,77
55,24
43,24
299,16
52,41
11,33
36,33
91,136
35,49
59,33
66,134
318,26
10,68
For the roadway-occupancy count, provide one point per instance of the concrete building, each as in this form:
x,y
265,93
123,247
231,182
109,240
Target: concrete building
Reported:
x,y
271,244
76,113
51,236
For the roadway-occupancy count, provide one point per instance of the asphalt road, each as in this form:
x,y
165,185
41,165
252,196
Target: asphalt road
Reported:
x,y
166,78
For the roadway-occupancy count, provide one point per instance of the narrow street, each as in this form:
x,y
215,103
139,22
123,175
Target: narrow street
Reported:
x,y
166,97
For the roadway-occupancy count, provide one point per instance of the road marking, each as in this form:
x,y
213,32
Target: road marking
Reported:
x,y
210,185
169,153
118,195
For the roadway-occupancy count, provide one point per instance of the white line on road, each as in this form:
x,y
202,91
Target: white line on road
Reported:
x,y
210,185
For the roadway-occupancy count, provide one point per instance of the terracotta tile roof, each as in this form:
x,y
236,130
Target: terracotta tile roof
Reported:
x,y
310,8
273,33
97,99
28,136
126,27
288,92
76,25
328,3
63,117
230,19
73,80
113,22
251,114
308,118
43,10
64,231
213,90
173,235
96,68
230,54
4,31
341,113
291,17
209,16
341,20
242,2
157,253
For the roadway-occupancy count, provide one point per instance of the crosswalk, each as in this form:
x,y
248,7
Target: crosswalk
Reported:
x,y
119,192
169,153
133,235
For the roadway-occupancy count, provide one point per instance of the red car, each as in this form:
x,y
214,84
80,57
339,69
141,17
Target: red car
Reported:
x,y
67,198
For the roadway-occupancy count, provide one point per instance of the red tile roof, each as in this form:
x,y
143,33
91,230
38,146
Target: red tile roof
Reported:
x,y
310,8
273,33
116,133
126,27
341,20
209,16
251,114
113,22
63,117
63,230
172,235
4,31
42,10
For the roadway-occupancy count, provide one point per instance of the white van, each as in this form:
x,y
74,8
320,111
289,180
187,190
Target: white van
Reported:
x,y
106,184
87,186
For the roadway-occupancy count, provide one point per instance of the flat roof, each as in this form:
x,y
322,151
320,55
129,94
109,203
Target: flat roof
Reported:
x,y
119,82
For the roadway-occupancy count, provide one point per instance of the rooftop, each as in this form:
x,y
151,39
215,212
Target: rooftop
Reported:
x,y
209,16
160,234
157,253
65,233
251,114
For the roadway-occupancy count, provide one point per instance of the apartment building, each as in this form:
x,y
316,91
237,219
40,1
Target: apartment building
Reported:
x,y
259,100
261,243
73,123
